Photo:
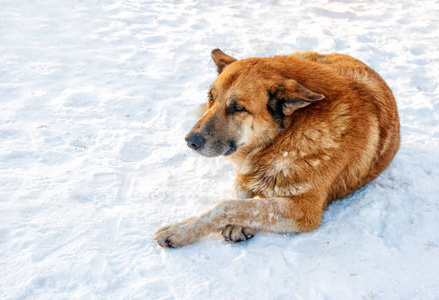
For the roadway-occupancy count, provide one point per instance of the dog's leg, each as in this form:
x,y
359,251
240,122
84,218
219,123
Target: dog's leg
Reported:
x,y
236,233
240,192
282,215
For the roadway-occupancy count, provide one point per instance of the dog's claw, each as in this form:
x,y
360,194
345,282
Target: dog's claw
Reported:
x,y
248,235
168,244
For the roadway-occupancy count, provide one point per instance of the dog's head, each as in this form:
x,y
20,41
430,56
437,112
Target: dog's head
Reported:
x,y
248,104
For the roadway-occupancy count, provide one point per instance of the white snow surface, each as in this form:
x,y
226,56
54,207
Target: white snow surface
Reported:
x,y
95,100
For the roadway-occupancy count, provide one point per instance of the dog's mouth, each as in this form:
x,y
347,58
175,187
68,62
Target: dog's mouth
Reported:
x,y
231,148
218,148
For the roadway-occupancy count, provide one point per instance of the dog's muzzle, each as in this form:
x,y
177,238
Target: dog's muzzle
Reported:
x,y
210,148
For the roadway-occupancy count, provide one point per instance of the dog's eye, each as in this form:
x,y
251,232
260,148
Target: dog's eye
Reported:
x,y
235,109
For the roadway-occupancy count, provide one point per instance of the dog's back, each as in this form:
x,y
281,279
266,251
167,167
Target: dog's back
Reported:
x,y
383,136
383,132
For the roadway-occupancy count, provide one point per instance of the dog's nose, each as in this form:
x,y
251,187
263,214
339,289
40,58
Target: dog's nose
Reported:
x,y
195,141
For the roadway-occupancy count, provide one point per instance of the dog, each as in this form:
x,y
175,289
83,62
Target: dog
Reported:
x,y
301,131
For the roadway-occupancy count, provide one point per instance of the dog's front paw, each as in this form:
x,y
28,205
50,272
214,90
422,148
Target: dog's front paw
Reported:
x,y
178,234
232,233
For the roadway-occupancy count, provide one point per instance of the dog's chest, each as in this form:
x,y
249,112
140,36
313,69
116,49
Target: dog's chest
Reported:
x,y
273,175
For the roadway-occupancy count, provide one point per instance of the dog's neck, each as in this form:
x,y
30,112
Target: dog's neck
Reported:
x,y
239,157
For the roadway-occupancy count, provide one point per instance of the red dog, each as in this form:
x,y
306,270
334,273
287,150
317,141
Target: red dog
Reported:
x,y
301,130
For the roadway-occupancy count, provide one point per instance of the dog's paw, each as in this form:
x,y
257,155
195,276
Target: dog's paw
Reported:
x,y
177,234
235,234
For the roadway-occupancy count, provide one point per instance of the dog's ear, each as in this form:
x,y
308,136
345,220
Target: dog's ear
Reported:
x,y
221,59
292,95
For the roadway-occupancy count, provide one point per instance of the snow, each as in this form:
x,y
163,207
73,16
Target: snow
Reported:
x,y
95,100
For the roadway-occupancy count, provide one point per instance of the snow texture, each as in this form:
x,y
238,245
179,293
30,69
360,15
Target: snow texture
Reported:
x,y
95,100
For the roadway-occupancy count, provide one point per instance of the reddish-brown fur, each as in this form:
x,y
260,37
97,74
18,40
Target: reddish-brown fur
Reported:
x,y
301,131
